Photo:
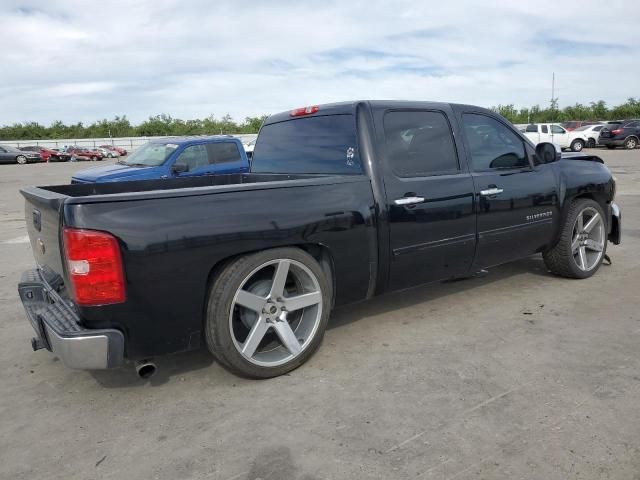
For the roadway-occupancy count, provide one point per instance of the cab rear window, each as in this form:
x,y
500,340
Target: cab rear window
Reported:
x,y
320,144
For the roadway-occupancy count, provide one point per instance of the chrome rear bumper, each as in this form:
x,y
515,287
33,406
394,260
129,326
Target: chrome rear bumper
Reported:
x,y
58,327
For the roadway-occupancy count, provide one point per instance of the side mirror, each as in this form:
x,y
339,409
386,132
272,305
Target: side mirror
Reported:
x,y
179,168
548,152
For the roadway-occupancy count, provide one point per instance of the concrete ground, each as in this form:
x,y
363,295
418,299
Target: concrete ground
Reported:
x,y
517,375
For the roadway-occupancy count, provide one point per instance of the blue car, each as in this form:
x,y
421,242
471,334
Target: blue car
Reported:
x,y
173,157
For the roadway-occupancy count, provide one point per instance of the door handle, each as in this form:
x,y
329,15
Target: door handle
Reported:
x,y
491,191
408,200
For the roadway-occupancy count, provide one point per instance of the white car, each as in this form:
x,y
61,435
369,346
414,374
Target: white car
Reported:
x,y
249,146
108,153
554,133
593,134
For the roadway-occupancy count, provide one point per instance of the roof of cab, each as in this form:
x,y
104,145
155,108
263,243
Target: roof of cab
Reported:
x,y
349,107
195,139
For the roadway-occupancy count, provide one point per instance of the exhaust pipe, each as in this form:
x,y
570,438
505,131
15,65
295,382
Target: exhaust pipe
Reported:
x,y
145,369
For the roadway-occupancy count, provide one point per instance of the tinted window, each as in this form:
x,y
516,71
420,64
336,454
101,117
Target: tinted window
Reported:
x,y
532,128
598,128
492,144
544,129
223,152
325,144
419,143
195,156
632,125
557,129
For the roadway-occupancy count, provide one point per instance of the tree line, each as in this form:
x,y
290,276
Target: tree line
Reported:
x,y
164,124
157,125
594,111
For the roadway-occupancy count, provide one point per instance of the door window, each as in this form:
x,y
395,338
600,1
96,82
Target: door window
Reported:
x,y
195,156
556,129
419,144
598,128
492,145
223,152
532,128
545,129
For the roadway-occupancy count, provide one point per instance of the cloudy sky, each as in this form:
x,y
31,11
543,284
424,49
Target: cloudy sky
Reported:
x,y
81,61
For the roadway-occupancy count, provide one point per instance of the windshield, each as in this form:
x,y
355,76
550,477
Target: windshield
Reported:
x,y
150,155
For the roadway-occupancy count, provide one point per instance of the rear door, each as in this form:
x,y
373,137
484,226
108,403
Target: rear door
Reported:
x,y
517,202
429,195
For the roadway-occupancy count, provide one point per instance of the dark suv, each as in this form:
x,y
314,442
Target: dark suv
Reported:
x,y
623,133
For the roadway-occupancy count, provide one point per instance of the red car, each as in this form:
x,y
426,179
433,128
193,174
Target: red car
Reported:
x,y
121,151
77,152
47,154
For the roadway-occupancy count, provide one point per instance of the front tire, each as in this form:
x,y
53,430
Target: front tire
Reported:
x,y
267,312
577,145
583,241
631,143
21,159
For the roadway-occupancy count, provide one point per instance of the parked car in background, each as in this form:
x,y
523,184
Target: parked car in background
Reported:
x,y
78,152
592,132
47,154
106,153
554,133
574,124
623,133
121,151
173,157
13,155
249,146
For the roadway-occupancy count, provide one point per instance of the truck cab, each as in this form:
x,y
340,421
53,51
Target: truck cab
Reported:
x,y
173,157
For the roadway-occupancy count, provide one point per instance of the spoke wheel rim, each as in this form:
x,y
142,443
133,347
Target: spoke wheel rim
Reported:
x,y
276,312
588,239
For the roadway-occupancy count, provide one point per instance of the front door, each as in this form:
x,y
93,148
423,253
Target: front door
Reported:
x,y
429,195
517,201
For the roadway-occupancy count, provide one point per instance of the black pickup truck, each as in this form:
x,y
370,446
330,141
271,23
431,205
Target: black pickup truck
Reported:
x,y
343,202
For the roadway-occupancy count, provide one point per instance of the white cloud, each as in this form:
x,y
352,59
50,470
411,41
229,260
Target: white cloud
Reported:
x,y
80,61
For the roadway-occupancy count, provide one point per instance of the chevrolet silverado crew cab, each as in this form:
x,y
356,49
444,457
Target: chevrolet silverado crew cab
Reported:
x,y
173,157
343,202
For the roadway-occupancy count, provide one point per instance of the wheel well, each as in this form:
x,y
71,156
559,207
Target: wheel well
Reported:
x,y
632,136
600,198
320,253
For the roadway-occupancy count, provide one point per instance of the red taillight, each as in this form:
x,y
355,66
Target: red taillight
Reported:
x,y
617,131
95,267
299,112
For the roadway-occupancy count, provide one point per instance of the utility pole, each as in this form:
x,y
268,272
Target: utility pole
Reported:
x,y
553,101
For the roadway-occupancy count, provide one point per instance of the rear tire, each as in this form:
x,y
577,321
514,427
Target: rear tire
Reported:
x,y
631,143
591,143
577,145
564,259
21,159
244,304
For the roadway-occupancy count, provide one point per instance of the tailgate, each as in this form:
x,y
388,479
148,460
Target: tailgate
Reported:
x,y
42,213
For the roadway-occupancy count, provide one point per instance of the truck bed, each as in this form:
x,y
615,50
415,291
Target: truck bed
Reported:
x,y
173,233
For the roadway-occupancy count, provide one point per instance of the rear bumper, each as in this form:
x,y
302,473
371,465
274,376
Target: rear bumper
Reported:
x,y
615,235
58,328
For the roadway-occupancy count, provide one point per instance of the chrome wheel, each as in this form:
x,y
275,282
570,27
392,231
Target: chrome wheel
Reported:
x,y
588,239
21,159
276,312
631,143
